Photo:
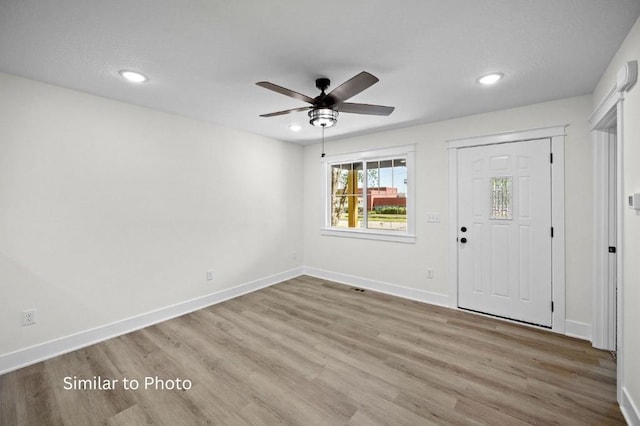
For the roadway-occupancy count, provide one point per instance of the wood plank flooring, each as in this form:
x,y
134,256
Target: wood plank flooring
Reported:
x,y
311,352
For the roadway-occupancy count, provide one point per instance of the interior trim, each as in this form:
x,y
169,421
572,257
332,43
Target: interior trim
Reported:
x,y
573,328
369,235
611,108
381,287
24,357
580,330
629,410
506,137
606,104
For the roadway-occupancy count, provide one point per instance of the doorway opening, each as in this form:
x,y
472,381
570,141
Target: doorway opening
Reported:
x,y
605,289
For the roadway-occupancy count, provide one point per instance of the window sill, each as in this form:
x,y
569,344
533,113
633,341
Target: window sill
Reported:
x,y
369,235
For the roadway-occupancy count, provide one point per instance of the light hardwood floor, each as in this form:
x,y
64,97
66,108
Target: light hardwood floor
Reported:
x,y
308,352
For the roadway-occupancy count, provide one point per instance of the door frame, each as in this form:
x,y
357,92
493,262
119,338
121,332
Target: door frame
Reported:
x,y
557,136
604,125
610,110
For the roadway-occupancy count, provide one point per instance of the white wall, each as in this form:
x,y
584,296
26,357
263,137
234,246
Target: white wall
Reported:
x,y
109,210
405,265
629,51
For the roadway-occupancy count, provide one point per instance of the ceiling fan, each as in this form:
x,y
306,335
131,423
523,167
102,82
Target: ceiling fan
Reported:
x,y
324,108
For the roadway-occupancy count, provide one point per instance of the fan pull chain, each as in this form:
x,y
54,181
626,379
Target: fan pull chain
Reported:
x,y
323,154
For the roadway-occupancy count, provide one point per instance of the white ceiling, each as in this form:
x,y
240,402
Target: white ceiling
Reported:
x,y
204,56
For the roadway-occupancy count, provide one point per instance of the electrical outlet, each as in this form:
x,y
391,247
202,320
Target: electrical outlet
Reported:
x,y
429,273
210,274
29,317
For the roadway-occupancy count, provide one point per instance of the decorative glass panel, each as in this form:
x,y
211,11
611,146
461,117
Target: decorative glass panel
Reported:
x,y
501,198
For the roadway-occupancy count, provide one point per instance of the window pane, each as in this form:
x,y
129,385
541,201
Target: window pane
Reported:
x,y
386,163
400,176
373,176
342,217
346,194
338,177
501,197
387,201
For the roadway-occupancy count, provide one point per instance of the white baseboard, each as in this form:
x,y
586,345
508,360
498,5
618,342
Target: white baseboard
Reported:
x,y
629,409
578,329
23,357
392,289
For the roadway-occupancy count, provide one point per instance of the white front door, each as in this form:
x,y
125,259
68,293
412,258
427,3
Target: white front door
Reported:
x,y
504,230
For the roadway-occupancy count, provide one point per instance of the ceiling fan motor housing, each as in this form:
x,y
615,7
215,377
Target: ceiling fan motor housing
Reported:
x,y
323,84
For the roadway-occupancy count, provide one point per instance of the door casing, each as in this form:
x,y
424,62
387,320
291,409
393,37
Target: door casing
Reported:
x,y
609,113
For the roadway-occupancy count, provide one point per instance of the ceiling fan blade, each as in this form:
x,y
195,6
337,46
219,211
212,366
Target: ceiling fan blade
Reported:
x,y
285,91
352,87
286,111
364,109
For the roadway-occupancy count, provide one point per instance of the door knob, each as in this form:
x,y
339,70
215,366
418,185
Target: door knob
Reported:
x,y
463,240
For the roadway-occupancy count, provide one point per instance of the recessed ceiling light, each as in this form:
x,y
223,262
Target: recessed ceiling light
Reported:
x,y
295,127
134,77
490,78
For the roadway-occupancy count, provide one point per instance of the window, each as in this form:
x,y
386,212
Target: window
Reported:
x,y
368,194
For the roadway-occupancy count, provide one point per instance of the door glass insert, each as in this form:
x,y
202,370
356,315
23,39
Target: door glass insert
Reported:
x,y
501,198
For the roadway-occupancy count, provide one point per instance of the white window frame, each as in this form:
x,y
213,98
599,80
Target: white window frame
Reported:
x,y
404,151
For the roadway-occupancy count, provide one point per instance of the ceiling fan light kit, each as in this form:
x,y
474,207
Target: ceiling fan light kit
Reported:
x,y
323,117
